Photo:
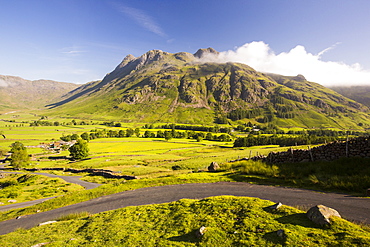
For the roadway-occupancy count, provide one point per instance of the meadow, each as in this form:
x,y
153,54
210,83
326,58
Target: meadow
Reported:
x,y
159,162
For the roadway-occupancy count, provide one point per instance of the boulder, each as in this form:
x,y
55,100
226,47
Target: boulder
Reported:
x,y
280,233
321,214
213,167
47,222
200,232
40,244
276,206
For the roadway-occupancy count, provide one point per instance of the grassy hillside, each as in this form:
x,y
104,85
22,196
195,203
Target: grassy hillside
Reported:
x,y
176,88
229,221
17,93
358,93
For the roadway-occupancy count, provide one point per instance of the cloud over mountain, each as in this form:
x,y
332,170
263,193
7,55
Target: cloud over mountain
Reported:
x,y
297,61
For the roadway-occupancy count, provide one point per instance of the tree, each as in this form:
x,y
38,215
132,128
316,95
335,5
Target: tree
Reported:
x,y
129,132
167,135
79,150
137,132
85,136
74,137
19,157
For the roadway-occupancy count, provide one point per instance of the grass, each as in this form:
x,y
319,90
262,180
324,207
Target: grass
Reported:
x,y
228,220
177,161
114,186
27,187
349,175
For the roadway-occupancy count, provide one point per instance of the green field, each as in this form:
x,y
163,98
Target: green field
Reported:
x,y
159,162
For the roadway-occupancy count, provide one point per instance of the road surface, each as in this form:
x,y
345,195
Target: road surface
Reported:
x,y
351,208
68,179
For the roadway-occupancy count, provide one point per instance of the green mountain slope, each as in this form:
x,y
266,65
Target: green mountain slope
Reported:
x,y
165,87
358,93
17,93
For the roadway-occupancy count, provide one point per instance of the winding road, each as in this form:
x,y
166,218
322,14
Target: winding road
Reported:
x,y
351,208
68,179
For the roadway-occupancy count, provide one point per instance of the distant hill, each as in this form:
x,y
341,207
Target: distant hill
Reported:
x,y
18,93
165,87
358,93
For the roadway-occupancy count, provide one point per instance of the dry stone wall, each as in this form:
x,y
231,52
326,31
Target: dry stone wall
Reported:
x,y
357,147
94,172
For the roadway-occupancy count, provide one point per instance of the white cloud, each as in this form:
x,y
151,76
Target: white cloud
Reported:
x,y
260,56
142,19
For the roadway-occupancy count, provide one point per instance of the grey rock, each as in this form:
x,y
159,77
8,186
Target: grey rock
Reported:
x,y
321,214
280,233
213,167
276,206
40,244
200,232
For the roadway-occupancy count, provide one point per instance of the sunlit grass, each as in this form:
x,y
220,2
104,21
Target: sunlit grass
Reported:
x,y
228,221
27,187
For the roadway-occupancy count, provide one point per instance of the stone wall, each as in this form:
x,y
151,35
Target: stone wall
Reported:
x,y
94,172
357,147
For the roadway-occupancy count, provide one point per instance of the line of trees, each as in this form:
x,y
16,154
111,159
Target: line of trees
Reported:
x,y
104,133
260,140
199,136
212,129
57,123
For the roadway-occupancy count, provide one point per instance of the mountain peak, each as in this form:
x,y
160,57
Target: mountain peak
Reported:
x,y
202,52
152,56
129,58
300,78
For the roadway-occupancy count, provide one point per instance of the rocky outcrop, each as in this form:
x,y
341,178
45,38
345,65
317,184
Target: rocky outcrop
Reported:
x,y
321,214
203,52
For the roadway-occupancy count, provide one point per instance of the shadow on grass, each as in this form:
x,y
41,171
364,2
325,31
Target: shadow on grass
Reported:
x,y
299,219
274,238
255,179
188,237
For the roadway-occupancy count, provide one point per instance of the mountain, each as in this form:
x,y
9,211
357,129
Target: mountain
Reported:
x,y
164,87
358,93
18,93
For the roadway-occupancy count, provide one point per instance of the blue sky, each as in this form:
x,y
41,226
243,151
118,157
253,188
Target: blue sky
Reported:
x,y
82,40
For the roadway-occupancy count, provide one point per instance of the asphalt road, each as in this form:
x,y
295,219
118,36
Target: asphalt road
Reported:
x,y
69,179
351,208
